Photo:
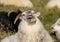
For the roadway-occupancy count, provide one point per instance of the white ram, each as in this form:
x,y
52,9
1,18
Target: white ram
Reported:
x,y
30,29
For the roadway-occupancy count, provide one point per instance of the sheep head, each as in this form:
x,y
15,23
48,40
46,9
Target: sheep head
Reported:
x,y
28,16
56,26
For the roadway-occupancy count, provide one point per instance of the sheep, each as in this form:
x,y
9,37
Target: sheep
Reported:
x,y
18,3
56,29
30,29
12,15
4,21
7,20
53,3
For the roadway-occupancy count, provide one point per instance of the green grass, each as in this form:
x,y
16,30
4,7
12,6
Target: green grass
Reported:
x,y
47,17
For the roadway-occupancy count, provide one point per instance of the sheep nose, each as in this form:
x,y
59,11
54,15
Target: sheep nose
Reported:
x,y
29,14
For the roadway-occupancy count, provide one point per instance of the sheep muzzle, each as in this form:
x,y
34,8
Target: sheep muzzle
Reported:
x,y
31,19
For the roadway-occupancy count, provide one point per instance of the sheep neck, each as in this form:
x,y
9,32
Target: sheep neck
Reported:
x,y
29,33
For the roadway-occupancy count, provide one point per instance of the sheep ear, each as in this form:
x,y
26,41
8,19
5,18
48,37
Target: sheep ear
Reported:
x,y
37,14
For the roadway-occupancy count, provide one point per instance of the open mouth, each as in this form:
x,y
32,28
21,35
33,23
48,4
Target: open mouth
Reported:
x,y
31,20
53,33
30,17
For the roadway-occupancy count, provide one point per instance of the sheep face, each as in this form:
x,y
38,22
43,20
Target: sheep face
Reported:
x,y
29,16
56,26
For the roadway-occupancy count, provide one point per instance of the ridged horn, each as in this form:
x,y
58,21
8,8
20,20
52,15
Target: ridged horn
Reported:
x,y
10,12
17,17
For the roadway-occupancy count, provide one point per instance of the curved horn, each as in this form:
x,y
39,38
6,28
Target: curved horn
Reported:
x,y
17,17
10,12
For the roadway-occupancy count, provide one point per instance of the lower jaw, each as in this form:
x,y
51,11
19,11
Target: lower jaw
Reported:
x,y
31,23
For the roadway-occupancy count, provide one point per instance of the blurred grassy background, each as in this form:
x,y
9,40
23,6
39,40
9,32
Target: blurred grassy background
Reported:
x,y
47,17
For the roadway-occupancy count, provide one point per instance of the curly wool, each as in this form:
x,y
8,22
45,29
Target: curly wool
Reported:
x,y
53,3
18,3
